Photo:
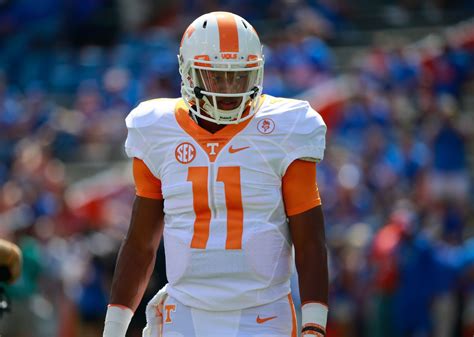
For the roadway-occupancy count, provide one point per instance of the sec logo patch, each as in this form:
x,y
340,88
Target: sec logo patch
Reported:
x,y
185,153
266,126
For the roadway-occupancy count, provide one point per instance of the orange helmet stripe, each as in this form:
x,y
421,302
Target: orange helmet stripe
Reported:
x,y
189,31
228,34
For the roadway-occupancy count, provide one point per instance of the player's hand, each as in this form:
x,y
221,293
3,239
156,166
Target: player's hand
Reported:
x,y
10,261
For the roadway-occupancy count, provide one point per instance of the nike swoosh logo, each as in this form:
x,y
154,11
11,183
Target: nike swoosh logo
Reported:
x,y
266,319
234,150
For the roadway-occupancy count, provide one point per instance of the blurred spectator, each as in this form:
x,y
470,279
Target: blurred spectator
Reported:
x,y
450,170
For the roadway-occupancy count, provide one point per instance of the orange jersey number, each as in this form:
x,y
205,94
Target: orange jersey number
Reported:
x,y
230,177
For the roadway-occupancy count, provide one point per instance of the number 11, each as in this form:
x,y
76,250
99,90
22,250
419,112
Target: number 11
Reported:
x,y
230,176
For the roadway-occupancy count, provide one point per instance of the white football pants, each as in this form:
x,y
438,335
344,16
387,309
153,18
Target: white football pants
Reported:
x,y
174,319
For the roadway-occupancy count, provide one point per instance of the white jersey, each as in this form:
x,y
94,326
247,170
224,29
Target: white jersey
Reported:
x,y
226,233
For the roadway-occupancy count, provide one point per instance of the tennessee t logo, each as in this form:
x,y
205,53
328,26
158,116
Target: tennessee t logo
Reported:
x,y
213,147
237,149
168,309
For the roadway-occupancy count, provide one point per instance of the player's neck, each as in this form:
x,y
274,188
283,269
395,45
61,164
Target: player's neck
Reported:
x,y
210,126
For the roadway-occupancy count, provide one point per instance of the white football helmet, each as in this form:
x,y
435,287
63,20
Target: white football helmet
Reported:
x,y
221,67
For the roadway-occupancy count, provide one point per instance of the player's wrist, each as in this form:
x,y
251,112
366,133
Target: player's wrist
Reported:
x,y
314,319
117,319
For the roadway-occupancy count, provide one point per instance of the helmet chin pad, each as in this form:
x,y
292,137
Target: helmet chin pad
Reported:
x,y
227,115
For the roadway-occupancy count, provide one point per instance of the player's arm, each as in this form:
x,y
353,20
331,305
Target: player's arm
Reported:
x,y
306,221
137,254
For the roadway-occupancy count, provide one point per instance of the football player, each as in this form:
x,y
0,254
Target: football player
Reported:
x,y
228,176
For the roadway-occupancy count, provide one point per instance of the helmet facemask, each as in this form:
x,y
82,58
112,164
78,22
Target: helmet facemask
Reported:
x,y
222,92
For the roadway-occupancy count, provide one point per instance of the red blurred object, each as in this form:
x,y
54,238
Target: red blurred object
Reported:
x,y
94,201
383,254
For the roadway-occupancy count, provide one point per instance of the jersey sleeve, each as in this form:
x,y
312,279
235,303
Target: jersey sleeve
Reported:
x,y
141,124
299,187
146,184
307,139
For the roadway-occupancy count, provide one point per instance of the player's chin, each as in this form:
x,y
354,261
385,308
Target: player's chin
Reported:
x,y
229,103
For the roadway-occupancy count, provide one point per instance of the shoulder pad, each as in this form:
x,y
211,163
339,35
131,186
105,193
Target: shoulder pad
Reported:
x,y
301,131
278,105
140,123
292,116
148,112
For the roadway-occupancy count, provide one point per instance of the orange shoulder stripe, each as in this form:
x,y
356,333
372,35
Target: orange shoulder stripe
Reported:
x,y
299,187
146,184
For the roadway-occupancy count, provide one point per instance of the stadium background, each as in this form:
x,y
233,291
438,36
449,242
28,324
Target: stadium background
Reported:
x,y
393,80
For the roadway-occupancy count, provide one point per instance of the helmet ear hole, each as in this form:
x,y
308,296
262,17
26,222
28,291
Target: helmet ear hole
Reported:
x,y
204,25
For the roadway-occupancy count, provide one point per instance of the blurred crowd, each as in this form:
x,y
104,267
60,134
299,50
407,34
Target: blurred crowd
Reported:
x,y
398,192
396,180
